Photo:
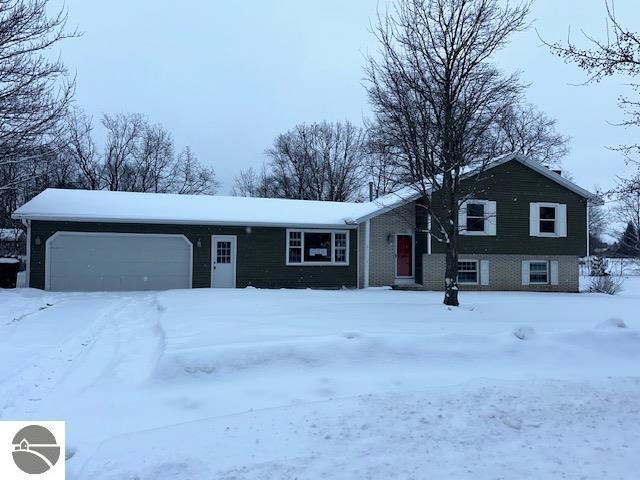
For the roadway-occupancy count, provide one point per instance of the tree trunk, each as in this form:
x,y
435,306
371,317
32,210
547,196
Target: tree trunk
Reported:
x,y
451,228
451,277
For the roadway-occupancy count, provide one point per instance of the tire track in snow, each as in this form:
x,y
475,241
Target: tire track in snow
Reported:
x,y
32,383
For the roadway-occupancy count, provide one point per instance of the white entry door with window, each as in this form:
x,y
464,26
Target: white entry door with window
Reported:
x,y
223,261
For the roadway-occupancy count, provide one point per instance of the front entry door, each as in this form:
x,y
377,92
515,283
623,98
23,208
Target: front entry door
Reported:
x,y
223,257
404,257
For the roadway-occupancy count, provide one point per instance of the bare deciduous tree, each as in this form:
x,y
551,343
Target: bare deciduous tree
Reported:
x,y
250,183
80,148
319,161
436,96
190,177
527,130
137,157
619,54
34,94
121,149
626,209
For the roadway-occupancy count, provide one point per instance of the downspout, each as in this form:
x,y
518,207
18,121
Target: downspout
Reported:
x,y
588,249
367,233
27,223
428,234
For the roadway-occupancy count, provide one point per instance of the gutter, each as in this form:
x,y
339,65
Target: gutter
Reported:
x,y
47,218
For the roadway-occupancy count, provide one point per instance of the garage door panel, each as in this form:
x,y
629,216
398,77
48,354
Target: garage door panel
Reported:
x,y
117,262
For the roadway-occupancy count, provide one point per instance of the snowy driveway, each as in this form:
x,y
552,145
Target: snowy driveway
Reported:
x,y
314,384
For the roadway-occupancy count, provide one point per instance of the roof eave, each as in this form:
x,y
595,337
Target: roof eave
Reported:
x,y
388,208
147,221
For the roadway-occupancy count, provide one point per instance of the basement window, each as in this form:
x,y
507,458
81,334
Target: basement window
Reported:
x,y
317,247
468,271
538,273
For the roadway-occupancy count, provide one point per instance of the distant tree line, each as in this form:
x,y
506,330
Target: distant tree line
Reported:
x,y
337,161
137,156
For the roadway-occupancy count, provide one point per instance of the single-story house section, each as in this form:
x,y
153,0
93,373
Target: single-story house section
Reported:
x,y
525,231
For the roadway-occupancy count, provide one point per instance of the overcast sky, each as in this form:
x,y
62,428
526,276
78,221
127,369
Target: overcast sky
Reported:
x,y
227,76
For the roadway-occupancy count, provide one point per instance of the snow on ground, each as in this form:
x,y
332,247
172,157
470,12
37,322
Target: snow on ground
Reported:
x,y
277,384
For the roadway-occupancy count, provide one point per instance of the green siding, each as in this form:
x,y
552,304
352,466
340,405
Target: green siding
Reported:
x,y
260,263
513,186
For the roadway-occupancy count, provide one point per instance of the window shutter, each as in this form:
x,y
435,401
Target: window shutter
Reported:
x,y
490,220
534,220
462,218
525,272
553,272
561,212
484,272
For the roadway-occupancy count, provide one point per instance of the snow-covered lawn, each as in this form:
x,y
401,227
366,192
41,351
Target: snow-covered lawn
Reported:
x,y
283,384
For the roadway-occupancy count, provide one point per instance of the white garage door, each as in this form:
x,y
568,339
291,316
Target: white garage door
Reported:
x,y
77,261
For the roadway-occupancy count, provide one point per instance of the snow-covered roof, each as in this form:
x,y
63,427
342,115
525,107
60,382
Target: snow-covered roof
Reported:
x,y
133,207
106,206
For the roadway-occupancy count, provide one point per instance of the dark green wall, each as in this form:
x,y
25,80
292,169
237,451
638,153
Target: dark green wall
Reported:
x,y
261,254
513,186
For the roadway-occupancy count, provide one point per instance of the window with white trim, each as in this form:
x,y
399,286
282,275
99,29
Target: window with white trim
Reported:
x,y
468,271
294,254
317,247
538,273
340,247
548,218
475,217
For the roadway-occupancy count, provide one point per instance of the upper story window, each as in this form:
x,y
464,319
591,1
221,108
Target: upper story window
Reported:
x,y
317,247
477,217
548,220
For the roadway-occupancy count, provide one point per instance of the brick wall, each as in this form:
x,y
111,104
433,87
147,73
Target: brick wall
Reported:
x,y
505,272
382,261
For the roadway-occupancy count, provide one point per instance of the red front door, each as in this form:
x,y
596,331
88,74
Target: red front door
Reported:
x,y
404,257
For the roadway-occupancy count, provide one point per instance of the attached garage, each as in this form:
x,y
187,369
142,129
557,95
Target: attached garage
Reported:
x,y
95,261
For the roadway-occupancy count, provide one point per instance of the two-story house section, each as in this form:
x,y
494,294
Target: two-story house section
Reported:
x,y
524,229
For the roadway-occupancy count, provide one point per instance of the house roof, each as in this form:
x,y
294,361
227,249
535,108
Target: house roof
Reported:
x,y
410,194
130,207
133,207
541,169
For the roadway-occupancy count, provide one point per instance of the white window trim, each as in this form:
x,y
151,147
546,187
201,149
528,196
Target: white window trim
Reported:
x,y
302,263
488,219
470,260
556,221
548,282
560,222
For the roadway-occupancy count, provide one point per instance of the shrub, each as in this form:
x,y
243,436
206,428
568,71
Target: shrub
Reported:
x,y
606,284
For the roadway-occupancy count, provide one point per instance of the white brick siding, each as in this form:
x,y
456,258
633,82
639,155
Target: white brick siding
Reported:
x,y
505,272
382,261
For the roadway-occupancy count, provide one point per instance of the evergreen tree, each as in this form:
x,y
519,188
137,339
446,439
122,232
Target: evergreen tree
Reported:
x,y
629,242
598,267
